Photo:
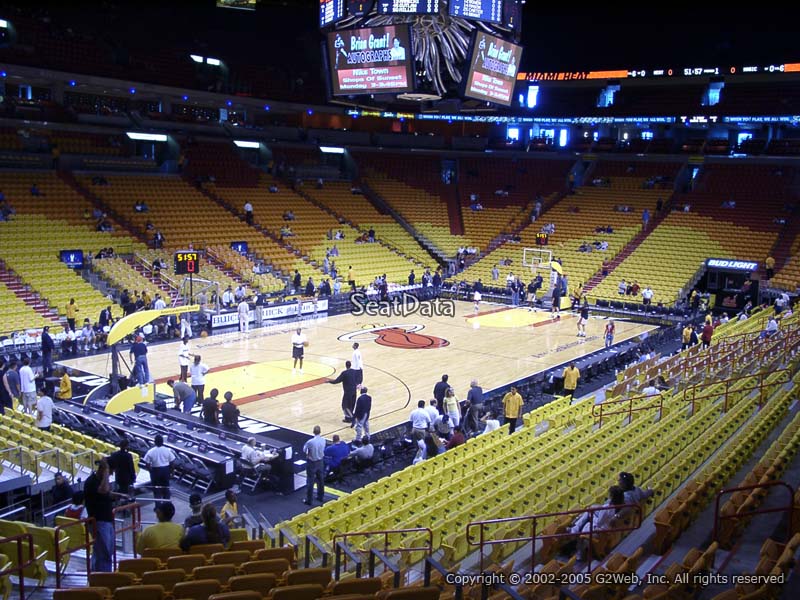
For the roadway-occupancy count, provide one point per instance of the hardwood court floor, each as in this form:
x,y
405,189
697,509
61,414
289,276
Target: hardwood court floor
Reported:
x,y
403,359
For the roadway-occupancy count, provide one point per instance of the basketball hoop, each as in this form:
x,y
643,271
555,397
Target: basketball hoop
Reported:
x,y
537,260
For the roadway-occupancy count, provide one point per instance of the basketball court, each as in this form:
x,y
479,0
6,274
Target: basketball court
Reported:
x,y
403,359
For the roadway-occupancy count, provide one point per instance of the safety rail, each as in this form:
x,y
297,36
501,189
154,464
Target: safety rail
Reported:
x,y
341,548
162,276
376,556
136,522
432,565
288,539
86,546
599,410
788,508
533,519
762,376
312,540
21,565
386,533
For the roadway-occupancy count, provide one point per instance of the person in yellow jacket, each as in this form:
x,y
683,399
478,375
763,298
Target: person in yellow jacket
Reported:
x,y
72,313
512,407
65,387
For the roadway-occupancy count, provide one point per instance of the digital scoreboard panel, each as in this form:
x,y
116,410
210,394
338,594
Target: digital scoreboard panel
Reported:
x,y
490,11
492,69
372,60
187,262
330,12
408,7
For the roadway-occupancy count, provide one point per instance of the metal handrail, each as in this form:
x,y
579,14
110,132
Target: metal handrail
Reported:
x,y
21,565
728,384
658,400
482,541
789,508
377,555
288,539
136,521
434,565
312,540
386,533
342,548
87,545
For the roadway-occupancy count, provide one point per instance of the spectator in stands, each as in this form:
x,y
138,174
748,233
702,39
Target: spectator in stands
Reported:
x,y
708,332
103,224
196,506
599,519
121,465
442,426
645,218
273,189
622,288
87,336
230,413
210,531
633,289
164,533
363,452
141,207
334,454
420,420
647,296
210,408
159,460
456,439
371,235
248,213
490,422
631,492
769,263
229,513
69,345
35,191
771,328
512,408
158,239
571,376
650,389
99,505
62,490
687,207
12,384
361,412
77,508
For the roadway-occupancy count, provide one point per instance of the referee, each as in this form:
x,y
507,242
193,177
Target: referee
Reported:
x,y
314,450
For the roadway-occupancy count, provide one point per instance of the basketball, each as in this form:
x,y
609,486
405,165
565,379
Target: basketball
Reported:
x,y
305,344
204,334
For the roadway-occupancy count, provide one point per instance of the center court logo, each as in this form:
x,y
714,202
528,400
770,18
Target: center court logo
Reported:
x,y
404,337
403,305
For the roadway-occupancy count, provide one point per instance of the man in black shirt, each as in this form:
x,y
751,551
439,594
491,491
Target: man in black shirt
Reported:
x,y
230,414
47,351
439,391
97,492
361,413
349,380
211,408
121,464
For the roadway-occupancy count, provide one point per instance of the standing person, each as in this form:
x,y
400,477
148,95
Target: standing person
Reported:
x,y
476,297
439,391
571,376
512,408
5,395
645,218
99,506
138,354
769,263
186,325
708,333
72,313
555,309
44,411
198,373
451,407
27,380
258,310
583,320
230,413
609,333
185,396
297,281
358,365
47,351
299,342
244,315
248,213
361,412
475,395
686,336
351,278
314,450
348,380
210,408
183,359
12,384
158,459
121,465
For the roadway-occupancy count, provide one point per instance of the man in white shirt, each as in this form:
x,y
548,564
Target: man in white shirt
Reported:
x,y
158,459
495,273
260,460
420,420
491,424
44,412
651,389
227,297
771,329
357,364
433,409
647,295
299,341
186,325
87,336
238,295
27,380
476,296
244,316
509,280
184,359
159,303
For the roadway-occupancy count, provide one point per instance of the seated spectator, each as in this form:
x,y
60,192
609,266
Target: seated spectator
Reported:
x,y
632,493
35,191
490,422
456,439
687,207
196,505
87,336
77,510
210,531
622,288
229,513
598,520
651,389
164,534
62,490
335,454
286,231
273,189
141,207
362,452
771,328
442,426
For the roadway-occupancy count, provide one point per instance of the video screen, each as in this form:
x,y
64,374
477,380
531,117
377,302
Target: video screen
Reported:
x,y
240,4
72,258
240,247
493,69
371,60
490,11
408,7
330,11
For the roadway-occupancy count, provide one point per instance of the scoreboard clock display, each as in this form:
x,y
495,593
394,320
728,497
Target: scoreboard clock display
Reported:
x,y
187,262
542,239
